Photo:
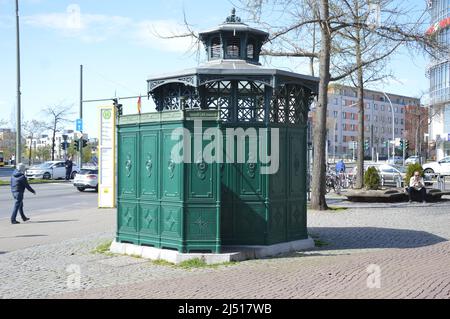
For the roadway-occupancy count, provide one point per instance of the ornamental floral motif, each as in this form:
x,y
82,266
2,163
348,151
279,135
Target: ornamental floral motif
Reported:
x,y
149,165
128,165
171,168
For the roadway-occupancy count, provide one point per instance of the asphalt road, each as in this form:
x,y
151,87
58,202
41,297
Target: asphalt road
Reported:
x,y
6,171
50,198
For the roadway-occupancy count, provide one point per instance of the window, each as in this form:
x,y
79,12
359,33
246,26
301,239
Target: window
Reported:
x,y
382,107
352,116
233,48
375,107
215,48
335,101
251,49
344,115
335,114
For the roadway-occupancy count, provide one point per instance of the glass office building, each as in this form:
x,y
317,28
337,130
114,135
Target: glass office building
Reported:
x,y
439,73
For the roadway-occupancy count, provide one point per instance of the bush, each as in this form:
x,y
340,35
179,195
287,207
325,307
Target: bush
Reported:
x,y
410,171
372,179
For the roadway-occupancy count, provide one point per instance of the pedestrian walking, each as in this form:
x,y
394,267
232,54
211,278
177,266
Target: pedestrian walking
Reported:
x,y
69,166
19,183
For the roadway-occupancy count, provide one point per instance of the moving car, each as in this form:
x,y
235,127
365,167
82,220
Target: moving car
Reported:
x,y
86,179
440,167
412,160
50,170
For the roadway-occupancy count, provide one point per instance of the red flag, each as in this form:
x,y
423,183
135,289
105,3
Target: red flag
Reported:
x,y
139,105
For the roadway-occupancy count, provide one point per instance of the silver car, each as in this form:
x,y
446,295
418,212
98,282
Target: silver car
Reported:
x,y
86,179
50,170
391,174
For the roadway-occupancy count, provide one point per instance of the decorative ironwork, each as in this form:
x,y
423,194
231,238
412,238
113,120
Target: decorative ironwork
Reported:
x,y
153,84
149,165
233,18
290,105
250,102
128,165
171,168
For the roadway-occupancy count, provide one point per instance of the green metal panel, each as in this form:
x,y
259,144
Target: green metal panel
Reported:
x,y
171,172
127,222
149,224
149,164
127,165
201,229
172,227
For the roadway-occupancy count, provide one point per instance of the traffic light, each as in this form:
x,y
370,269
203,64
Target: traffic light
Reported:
x,y
77,144
119,107
402,144
366,145
406,144
84,143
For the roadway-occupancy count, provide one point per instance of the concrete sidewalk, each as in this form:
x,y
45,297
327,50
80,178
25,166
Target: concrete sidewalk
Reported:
x,y
55,227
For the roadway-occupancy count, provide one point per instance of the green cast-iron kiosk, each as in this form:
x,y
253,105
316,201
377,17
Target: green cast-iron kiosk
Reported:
x,y
200,206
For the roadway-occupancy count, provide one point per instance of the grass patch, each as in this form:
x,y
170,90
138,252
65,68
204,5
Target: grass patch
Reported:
x,y
196,263
320,243
34,181
103,248
161,262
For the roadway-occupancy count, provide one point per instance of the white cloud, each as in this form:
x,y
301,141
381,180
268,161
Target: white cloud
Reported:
x,y
98,27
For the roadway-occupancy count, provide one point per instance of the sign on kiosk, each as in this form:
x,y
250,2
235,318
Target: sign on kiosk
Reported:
x,y
107,144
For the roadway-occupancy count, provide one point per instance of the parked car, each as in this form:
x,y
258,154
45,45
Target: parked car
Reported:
x,y
398,160
391,173
412,160
50,170
440,167
86,179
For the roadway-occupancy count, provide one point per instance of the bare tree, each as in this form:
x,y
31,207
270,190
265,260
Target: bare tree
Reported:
x,y
32,130
295,21
341,22
59,116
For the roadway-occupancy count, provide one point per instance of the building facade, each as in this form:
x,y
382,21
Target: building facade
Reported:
x,y
342,121
439,74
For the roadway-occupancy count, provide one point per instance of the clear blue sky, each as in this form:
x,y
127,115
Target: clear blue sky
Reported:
x,y
115,41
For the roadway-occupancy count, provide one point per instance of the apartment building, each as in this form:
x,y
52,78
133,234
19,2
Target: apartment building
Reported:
x,y
382,123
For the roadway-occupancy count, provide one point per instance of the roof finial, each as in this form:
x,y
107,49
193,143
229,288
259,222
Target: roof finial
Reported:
x,y
233,18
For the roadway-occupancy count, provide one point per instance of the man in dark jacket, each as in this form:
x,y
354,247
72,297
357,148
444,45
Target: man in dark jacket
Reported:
x,y
69,166
18,184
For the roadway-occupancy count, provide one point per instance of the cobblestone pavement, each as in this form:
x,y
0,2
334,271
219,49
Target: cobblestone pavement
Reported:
x,y
400,248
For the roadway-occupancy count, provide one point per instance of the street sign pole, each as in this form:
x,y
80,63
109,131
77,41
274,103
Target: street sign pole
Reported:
x,y
81,116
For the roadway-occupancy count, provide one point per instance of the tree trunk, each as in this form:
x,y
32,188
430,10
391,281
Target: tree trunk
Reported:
x,y
360,88
31,149
53,142
318,201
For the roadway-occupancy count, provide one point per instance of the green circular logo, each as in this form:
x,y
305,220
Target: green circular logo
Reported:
x,y
106,114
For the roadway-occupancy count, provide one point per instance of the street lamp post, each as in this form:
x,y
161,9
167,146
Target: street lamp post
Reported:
x,y
18,107
393,127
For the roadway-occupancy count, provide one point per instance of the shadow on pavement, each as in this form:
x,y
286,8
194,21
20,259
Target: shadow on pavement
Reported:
x,y
24,236
54,221
333,238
